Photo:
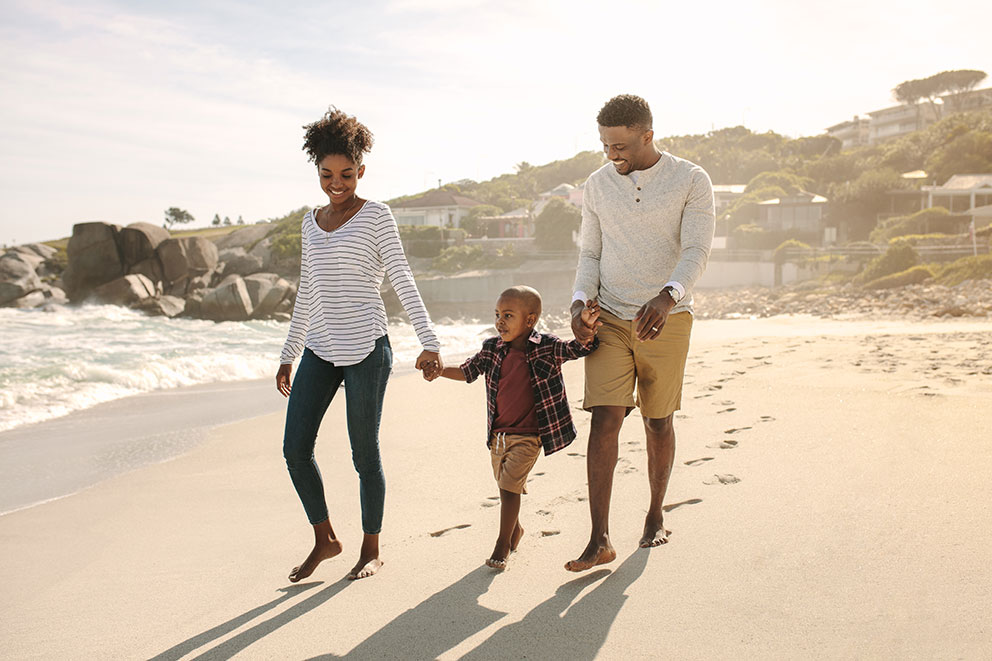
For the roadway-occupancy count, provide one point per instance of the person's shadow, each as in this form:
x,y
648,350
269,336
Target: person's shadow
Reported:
x,y
545,633
434,626
233,645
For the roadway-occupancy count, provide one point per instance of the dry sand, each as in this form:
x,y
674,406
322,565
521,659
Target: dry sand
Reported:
x,y
829,500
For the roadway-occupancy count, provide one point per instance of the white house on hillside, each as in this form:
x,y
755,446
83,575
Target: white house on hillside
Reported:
x,y
440,208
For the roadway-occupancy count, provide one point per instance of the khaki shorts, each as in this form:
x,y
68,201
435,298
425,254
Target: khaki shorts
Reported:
x,y
513,456
656,366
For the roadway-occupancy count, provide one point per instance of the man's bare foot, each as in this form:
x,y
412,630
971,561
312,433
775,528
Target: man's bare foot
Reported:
x,y
654,534
595,554
518,532
323,550
366,567
496,563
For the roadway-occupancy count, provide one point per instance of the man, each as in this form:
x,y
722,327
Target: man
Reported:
x,y
647,227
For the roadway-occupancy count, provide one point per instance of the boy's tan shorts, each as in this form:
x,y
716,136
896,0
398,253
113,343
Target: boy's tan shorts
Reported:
x,y
513,456
657,366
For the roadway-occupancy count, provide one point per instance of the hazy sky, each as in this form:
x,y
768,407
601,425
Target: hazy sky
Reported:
x,y
117,110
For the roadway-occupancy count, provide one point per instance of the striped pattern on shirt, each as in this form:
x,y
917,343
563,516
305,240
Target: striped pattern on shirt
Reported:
x,y
339,313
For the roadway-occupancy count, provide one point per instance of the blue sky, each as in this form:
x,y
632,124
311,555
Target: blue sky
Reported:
x,y
117,110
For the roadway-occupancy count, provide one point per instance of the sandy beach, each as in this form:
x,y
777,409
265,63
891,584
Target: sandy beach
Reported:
x,y
829,500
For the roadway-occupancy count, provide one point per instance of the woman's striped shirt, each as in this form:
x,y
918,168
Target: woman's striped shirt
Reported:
x,y
339,313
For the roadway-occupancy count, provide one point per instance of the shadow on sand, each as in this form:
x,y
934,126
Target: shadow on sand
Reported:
x,y
554,629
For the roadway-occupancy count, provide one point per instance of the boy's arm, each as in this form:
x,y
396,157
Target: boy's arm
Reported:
x,y
453,373
573,349
472,368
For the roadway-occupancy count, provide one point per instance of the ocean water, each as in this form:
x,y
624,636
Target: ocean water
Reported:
x,y
72,358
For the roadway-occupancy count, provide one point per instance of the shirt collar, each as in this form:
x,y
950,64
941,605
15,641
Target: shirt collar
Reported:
x,y
534,338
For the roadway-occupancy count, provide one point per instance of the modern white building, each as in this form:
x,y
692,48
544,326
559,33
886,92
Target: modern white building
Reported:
x,y
897,121
962,192
802,212
852,133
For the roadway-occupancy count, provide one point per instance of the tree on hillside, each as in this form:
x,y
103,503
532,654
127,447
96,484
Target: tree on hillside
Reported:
x,y
471,222
969,153
227,220
216,220
912,92
177,216
241,221
554,226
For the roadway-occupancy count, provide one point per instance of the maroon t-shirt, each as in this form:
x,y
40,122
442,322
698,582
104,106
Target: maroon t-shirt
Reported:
x,y
516,410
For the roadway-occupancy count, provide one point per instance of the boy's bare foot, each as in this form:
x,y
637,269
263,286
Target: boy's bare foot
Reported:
x,y
322,550
518,532
654,534
496,563
366,567
595,554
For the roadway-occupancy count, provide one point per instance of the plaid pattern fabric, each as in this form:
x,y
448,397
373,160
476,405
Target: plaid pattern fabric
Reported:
x,y
545,354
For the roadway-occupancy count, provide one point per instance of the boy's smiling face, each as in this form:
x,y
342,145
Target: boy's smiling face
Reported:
x,y
514,321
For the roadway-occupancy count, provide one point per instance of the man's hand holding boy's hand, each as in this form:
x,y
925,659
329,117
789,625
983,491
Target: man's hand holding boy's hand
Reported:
x,y
585,320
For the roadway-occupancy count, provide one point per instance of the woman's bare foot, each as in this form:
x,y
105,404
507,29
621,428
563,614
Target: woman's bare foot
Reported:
x,y
366,567
596,553
496,563
654,533
323,550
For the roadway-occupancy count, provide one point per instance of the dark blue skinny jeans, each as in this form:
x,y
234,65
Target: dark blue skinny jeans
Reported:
x,y
314,386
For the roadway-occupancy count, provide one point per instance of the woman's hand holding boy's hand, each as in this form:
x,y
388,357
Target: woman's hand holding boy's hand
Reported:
x,y
430,363
283,379
585,320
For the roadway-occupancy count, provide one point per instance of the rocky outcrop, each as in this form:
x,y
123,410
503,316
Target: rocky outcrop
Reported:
x,y
17,276
140,240
127,290
163,306
267,291
230,301
238,262
94,258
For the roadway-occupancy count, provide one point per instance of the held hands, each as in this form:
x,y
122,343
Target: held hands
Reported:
x,y
430,363
283,379
652,316
585,320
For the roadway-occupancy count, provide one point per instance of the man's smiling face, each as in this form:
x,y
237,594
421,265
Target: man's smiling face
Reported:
x,y
627,147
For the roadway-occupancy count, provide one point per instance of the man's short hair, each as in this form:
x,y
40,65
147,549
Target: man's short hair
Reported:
x,y
626,110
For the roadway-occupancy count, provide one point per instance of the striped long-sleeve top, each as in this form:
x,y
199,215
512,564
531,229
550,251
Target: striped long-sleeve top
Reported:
x,y
339,313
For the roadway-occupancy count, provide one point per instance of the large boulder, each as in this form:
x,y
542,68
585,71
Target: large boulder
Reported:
x,y
32,300
244,237
175,264
163,306
94,258
39,249
151,268
242,265
201,254
128,290
266,290
139,241
228,302
17,277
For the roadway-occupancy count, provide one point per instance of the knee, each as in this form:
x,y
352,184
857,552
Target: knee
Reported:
x,y
659,426
367,463
296,453
606,421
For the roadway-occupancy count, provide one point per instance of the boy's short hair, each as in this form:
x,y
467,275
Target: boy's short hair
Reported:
x,y
529,296
626,110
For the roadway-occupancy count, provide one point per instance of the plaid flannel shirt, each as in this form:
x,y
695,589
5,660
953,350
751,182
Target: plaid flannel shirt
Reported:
x,y
545,354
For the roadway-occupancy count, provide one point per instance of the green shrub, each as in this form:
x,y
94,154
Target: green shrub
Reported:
x,y
464,258
754,237
421,240
899,257
910,276
928,239
922,222
790,248
967,268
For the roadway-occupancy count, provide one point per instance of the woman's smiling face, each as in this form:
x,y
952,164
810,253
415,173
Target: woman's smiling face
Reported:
x,y
339,177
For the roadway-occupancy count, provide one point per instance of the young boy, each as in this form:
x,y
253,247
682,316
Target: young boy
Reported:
x,y
526,400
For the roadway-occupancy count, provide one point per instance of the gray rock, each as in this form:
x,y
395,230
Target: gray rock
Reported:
x,y
228,302
163,306
94,258
32,300
139,241
39,249
281,316
54,295
127,290
244,237
29,256
267,290
175,264
242,265
194,303
17,277
201,254
263,250
151,268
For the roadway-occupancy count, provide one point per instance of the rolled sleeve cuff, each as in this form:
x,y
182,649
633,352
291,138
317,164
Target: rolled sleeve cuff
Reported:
x,y
679,289
579,296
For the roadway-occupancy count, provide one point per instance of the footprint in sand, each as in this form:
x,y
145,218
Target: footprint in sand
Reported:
x,y
538,474
550,533
715,386
543,513
727,444
726,402
766,418
727,410
489,504
726,478
575,454
735,430
438,533
695,462
701,396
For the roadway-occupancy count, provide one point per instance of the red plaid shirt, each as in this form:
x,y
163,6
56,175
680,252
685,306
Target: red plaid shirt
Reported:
x,y
545,354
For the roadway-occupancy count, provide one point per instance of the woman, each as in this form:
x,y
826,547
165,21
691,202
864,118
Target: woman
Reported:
x,y
339,324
